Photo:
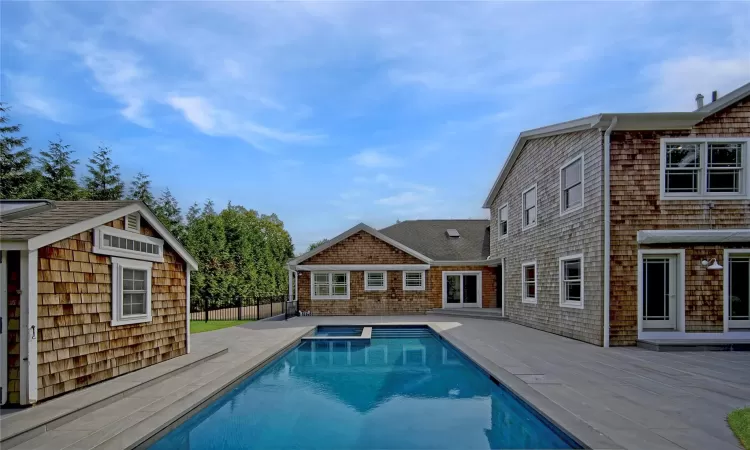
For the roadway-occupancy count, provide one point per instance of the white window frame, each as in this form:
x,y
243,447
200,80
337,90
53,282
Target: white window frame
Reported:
x,y
100,249
564,302
567,164
679,295
525,227
137,221
702,193
118,264
738,325
413,288
384,287
524,299
331,295
500,234
461,274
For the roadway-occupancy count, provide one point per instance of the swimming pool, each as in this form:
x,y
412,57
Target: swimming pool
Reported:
x,y
404,389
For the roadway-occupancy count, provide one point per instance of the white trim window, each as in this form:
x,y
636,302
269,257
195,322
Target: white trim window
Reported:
x,y
502,221
329,286
529,291
116,242
376,280
571,185
528,208
413,280
131,291
571,281
704,168
737,289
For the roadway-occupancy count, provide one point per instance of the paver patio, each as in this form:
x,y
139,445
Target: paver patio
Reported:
x,y
639,399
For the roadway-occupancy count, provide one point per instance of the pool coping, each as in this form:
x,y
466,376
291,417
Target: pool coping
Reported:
x,y
366,335
147,432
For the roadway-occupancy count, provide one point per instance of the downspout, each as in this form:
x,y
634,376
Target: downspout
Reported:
x,y
607,231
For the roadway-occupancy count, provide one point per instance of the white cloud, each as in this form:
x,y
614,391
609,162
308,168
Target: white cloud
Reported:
x,y
29,94
404,198
374,158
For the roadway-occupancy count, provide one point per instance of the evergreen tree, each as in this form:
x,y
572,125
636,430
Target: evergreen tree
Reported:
x,y
193,214
168,211
18,179
58,172
103,182
316,244
140,189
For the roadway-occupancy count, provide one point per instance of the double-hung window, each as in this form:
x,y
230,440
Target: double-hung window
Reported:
x,y
502,221
571,281
330,285
528,282
413,280
376,281
571,185
529,210
704,168
131,291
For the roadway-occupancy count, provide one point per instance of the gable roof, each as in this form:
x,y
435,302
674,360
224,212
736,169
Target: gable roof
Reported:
x,y
351,231
430,238
625,121
62,219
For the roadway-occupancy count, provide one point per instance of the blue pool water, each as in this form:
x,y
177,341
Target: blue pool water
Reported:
x,y
406,389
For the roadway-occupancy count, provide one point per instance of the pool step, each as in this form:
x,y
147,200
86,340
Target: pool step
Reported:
x,y
474,313
388,332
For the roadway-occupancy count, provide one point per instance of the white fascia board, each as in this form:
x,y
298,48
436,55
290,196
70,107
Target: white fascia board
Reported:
x,y
351,231
478,262
359,267
693,236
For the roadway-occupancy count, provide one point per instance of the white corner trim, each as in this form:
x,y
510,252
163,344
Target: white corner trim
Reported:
x,y
567,163
117,265
358,267
124,253
536,207
187,309
507,221
524,299
330,283
680,295
607,226
384,287
23,331
32,328
563,302
693,236
413,288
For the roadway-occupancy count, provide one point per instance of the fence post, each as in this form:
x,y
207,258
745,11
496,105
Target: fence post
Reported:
x,y
205,308
284,308
257,308
239,308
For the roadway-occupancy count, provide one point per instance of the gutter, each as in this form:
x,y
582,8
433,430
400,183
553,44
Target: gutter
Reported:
x,y
607,230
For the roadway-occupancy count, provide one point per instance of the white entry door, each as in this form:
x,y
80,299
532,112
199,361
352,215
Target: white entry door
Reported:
x,y
462,289
739,292
659,296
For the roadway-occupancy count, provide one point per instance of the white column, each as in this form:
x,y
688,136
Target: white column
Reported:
x,y
29,329
289,284
187,316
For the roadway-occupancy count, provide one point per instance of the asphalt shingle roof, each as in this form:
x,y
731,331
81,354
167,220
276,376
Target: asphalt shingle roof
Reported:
x,y
430,238
62,215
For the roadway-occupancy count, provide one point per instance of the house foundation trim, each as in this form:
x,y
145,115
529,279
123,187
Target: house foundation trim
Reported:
x,y
693,236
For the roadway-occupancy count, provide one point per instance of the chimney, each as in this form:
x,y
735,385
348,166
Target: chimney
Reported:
x,y
714,96
699,100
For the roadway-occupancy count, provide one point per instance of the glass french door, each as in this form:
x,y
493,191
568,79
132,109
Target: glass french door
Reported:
x,y
739,291
659,296
462,290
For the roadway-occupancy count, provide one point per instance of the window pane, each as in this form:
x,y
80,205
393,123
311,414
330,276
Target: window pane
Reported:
x,y
530,216
572,174
375,279
683,155
115,241
572,269
470,289
724,155
530,290
107,240
655,289
123,243
321,289
139,275
724,180
529,198
529,273
573,292
681,181
573,196
504,228
339,289
739,289
321,278
339,278
504,213
138,304
414,279
453,288
130,244
127,284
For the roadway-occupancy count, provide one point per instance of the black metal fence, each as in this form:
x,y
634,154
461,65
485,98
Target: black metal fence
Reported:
x,y
244,309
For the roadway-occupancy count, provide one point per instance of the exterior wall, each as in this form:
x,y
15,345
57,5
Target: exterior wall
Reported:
x,y
554,235
363,248
635,188
13,323
77,345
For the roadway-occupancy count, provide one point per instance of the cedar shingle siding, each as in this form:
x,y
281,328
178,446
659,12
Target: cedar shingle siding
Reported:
x,y
77,345
635,175
364,248
554,235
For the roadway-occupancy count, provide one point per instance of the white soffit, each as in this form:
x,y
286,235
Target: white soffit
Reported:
x,y
693,236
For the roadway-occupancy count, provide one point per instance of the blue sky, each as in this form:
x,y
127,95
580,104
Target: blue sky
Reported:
x,y
334,113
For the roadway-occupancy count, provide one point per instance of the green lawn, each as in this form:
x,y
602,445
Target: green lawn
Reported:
x,y
199,326
739,422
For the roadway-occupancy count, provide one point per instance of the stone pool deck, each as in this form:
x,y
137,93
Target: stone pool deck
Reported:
x,y
634,397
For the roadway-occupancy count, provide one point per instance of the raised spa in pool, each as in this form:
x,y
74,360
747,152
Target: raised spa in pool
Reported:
x,y
405,388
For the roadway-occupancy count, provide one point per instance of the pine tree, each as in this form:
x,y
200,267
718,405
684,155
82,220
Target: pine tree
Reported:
x,y
168,211
193,214
58,172
140,189
103,182
17,177
316,244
